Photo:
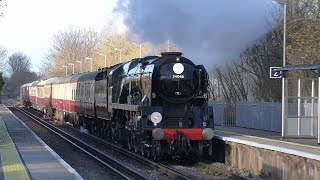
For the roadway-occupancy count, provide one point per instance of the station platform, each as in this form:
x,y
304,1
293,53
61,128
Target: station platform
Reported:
x,y
23,155
268,155
304,147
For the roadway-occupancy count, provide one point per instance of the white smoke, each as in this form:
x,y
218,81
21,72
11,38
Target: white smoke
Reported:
x,y
210,32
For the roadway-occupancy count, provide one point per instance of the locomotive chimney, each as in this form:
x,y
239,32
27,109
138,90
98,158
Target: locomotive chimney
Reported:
x,y
171,54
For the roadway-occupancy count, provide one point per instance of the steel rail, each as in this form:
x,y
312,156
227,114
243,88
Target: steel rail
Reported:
x,y
158,166
161,167
106,160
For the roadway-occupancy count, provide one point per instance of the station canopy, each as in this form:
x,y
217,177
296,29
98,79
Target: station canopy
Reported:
x,y
300,96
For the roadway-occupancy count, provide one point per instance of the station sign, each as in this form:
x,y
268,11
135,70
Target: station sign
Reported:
x,y
275,73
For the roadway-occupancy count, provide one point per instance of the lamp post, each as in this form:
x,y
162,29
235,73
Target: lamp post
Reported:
x,y
284,124
284,3
105,59
118,49
66,70
87,58
140,46
80,62
71,64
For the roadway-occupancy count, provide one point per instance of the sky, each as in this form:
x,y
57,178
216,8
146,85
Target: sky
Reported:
x,y
28,26
212,31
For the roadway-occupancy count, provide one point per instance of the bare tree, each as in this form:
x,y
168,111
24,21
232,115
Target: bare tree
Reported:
x,y
3,55
250,72
20,73
18,62
109,41
68,47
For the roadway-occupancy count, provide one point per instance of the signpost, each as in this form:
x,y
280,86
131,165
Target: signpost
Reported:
x,y
275,73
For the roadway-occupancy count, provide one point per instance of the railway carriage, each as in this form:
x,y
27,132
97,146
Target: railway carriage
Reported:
x,y
42,100
62,102
86,99
33,93
157,105
24,94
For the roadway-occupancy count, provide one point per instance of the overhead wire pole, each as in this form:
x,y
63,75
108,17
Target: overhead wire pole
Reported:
x,y
284,81
318,109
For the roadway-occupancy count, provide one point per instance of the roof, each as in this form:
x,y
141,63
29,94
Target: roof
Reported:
x,y
89,76
60,80
27,84
51,80
34,83
42,83
76,77
300,67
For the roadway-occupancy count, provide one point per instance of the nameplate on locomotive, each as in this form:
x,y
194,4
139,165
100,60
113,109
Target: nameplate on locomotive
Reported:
x,y
178,76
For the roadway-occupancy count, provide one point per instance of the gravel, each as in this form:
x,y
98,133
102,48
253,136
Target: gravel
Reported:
x,y
246,173
129,162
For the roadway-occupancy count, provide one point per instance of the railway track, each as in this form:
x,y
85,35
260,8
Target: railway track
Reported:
x,y
109,161
164,168
115,164
112,163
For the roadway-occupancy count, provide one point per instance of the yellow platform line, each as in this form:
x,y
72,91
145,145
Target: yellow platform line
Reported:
x,y
268,139
12,166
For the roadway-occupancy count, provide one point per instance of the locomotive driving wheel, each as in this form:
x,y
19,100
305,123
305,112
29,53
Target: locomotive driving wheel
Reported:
x,y
130,142
156,150
138,145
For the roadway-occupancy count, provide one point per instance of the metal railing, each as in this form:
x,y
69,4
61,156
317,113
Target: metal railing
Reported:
x,y
259,115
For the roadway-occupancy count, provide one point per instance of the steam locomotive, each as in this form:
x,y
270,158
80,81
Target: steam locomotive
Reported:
x,y
156,105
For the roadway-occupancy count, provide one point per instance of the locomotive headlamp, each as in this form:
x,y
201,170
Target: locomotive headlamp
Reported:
x,y
207,134
156,117
178,68
178,59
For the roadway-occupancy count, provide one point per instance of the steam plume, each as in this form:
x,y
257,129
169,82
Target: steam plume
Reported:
x,y
210,32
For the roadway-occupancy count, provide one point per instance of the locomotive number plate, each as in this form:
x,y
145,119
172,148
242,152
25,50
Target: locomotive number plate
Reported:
x,y
178,76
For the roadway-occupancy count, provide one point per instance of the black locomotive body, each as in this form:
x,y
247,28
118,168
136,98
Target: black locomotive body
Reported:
x,y
161,102
154,105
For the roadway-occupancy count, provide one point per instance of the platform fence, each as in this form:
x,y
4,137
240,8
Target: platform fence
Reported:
x,y
224,113
259,115
256,115
264,115
218,112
